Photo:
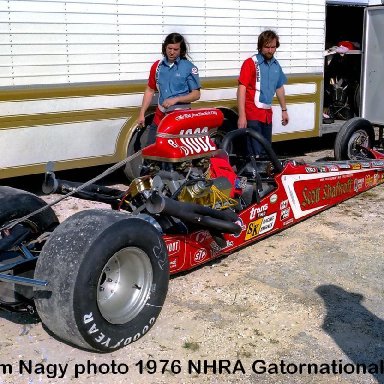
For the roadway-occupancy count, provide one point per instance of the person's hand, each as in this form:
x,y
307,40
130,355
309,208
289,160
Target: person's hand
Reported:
x,y
140,121
284,118
169,102
242,122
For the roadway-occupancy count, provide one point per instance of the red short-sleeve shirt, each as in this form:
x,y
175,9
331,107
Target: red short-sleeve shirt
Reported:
x,y
248,79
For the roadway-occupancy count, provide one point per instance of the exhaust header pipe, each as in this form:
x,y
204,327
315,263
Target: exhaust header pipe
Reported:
x,y
222,221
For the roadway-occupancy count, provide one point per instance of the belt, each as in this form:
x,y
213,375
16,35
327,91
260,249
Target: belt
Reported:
x,y
174,107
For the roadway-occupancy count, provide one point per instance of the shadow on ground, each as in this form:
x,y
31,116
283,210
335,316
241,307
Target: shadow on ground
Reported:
x,y
358,332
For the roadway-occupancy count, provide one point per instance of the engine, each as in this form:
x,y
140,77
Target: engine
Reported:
x,y
196,181
184,163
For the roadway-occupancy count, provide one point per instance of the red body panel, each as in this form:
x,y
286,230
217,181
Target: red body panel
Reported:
x,y
302,191
185,134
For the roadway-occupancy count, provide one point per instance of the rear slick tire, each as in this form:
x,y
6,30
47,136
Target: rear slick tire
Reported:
x,y
108,275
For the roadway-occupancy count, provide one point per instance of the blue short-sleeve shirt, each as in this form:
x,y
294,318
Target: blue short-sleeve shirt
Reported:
x,y
272,78
177,79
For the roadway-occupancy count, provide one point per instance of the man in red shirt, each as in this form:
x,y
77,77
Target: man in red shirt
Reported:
x,y
261,76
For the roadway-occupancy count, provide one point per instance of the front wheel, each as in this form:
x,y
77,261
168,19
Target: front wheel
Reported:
x,y
108,276
353,137
15,204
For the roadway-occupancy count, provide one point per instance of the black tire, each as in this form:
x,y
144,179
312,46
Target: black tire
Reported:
x,y
353,136
138,140
133,168
16,203
87,258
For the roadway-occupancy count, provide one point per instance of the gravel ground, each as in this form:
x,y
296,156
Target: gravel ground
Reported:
x,y
312,294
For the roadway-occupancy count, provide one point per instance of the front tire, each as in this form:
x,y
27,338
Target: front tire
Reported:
x,y
353,136
15,204
108,273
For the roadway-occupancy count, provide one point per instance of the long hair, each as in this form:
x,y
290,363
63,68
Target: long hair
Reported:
x,y
266,37
175,38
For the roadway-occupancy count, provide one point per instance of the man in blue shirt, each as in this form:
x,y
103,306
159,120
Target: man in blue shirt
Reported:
x,y
175,78
261,76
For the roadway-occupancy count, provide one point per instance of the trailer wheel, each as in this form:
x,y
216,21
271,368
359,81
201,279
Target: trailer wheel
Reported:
x,y
108,277
353,136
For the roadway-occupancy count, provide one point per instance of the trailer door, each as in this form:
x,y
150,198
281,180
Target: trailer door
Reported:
x,y
372,79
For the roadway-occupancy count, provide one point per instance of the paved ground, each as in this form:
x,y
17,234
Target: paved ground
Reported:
x,y
312,294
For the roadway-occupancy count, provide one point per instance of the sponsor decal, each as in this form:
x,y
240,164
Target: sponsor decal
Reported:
x,y
369,181
344,166
200,255
260,226
358,184
172,143
196,145
258,211
328,191
201,236
173,247
191,115
287,222
378,163
273,198
333,168
310,169
285,214
355,166
284,204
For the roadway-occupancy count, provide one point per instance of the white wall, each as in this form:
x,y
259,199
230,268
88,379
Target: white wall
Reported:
x,y
58,41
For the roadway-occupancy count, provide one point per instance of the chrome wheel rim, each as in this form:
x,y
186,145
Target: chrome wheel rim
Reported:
x,y
359,139
124,285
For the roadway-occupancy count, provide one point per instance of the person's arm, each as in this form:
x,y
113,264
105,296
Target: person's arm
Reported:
x,y
189,98
242,121
147,99
280,94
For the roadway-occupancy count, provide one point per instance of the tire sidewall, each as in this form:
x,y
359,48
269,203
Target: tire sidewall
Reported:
x,y
94,328
16,203
343,138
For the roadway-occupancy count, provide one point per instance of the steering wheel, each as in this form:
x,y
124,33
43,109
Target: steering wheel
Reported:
x,y
249,159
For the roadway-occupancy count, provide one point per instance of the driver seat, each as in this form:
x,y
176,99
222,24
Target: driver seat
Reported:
x,y
259,182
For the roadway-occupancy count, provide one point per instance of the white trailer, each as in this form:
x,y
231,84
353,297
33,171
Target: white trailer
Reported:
x,y
367,129
372,79
72,72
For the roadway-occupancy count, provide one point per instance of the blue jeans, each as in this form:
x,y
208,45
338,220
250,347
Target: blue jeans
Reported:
x,y
264,130
151,134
